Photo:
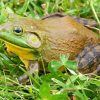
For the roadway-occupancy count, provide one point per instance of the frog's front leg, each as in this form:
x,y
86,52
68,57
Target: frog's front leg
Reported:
x,y
32,69
88,61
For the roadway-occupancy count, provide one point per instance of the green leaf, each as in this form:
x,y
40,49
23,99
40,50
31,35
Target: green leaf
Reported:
x,y
81,95
64,58
44,91
59,97
95,81
71,80
53,66
71,65
95,98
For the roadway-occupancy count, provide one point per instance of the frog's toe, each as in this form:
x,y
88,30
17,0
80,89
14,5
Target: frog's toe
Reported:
x,y
98,70
32,69
23,79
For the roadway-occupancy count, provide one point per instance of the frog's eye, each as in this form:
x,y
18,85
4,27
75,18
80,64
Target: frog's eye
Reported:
x,y
18,30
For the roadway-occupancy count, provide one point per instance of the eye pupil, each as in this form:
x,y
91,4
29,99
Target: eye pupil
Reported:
x,y
17,29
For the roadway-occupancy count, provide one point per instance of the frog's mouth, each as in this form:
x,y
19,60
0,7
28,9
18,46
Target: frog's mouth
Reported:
x,y
16,40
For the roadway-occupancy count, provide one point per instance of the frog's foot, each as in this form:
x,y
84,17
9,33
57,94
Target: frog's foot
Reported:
x,y
32,69
89,59
96,72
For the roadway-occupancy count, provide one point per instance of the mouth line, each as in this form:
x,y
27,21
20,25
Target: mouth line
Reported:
x,y
12,39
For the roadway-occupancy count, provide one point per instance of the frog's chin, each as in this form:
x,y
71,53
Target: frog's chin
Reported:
x,y
13,47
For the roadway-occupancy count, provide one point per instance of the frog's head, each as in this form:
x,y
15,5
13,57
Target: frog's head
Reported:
x,y
22,32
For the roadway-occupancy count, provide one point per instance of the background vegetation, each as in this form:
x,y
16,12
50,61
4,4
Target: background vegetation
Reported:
x,y
54,85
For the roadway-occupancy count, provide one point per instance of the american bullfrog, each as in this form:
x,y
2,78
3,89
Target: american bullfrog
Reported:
x,y
49,37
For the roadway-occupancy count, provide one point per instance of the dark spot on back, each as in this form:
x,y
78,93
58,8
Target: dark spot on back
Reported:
x,y
53,15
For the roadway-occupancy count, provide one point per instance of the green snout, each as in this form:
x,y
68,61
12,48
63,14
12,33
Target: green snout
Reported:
x,y
13,39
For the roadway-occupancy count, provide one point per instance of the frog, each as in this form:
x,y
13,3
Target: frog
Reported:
x,y
48,37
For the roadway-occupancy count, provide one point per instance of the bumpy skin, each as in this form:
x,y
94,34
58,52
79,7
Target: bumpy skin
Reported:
x,y
65,35
49,37
89,59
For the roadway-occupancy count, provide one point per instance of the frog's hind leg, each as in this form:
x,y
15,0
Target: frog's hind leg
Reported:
x,y
86,22
89,23
83,52
89,61
96,72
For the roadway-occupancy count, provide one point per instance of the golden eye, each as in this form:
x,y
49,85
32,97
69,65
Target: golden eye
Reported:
x,y
18,30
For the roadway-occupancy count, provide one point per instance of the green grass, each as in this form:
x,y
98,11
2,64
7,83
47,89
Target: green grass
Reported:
x,y
54,85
